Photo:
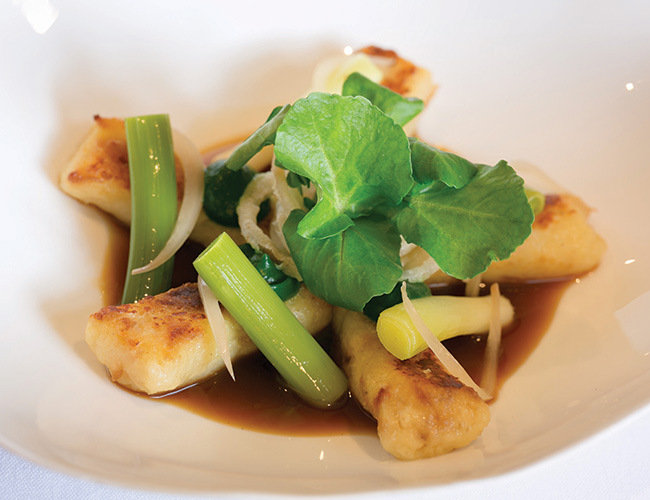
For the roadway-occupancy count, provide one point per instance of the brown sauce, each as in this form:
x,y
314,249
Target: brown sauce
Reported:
x,y
259,401
535,304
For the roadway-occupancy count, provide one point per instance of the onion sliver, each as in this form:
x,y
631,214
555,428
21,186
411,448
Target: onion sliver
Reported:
x,y
418,265
217,323
258,190
491,359
287,199
191,204
444,356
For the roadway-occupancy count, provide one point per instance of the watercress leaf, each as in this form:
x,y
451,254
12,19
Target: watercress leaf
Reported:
x,y
263,136
297,181
324,221
350,268
355,155
466,229
431,164
309,202
222,191
401,109
382,302
274,112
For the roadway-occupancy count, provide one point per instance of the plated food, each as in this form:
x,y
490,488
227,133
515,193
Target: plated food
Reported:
x,y
361,218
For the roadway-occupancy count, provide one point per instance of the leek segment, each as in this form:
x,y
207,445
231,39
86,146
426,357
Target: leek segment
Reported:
x,y
190,208
451,364
277,333
153,203
536,200
444,315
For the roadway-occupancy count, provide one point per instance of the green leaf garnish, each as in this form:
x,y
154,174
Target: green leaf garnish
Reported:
x,y
350,268
431,164
400,109
297,181
284,286
382,302
466,229
373,185
222,191
263,136
355,155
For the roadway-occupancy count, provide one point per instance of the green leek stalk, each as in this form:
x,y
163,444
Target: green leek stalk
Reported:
x,y
294,353
153,203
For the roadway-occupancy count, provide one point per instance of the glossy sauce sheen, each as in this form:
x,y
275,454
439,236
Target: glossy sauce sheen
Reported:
x,y
259,400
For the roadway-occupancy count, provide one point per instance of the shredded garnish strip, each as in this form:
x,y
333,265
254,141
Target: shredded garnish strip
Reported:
x,y
286,200
417,264
217,323
258,190
491,359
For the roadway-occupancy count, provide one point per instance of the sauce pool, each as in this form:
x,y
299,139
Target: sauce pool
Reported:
x,y
260,401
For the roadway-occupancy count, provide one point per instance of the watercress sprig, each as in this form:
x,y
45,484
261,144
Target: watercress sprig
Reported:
x,y
262,137
401,109
355,154
374,184
465,229
351,267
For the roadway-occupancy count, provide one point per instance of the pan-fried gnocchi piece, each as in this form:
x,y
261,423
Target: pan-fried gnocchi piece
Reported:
x,y
164,343
98,173
421,410
401,75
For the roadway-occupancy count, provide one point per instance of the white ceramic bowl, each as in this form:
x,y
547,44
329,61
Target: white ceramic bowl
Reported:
x,y
561,87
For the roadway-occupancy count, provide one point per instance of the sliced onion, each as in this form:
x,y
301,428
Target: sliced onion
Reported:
x,y
258,190
191,204
217,323
286,199
444,356
417,264
491,359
